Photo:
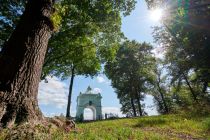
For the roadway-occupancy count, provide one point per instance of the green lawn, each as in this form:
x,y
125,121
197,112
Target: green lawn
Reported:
x,y
164,127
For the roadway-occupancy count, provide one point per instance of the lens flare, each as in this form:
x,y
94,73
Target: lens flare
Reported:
x,y
156,14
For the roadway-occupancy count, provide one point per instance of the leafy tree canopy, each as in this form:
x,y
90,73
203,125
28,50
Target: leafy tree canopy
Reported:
x,y
92,24
130,74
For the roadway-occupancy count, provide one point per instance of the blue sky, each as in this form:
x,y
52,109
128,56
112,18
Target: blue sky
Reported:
x,y
53,95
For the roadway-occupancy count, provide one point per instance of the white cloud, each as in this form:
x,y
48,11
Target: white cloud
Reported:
x,y
103,79
100,79
50,114
113,110
96,90
53,93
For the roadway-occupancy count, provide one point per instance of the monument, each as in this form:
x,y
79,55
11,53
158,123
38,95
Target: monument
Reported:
x,y
91,101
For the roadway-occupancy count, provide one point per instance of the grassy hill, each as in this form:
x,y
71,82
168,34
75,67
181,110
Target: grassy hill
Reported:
x,y
164,127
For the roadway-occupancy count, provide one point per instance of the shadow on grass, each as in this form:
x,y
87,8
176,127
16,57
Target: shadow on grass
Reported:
x,y
149,122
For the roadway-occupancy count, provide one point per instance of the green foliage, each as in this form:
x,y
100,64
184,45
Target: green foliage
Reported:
x,y
130,74
56,18
99,21
10,12
186,51
87,37
160,88
181,12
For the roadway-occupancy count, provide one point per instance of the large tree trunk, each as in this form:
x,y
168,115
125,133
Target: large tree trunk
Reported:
x,y
70,93
139,106
21,63
138,96
133,107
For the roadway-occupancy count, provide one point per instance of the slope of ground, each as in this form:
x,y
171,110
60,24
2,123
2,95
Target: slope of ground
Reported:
x,y
164,127
150,128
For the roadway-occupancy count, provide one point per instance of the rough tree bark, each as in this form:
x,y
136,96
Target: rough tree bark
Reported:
x,y
70,93
21,63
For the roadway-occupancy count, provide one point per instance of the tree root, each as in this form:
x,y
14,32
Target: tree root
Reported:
x,y
39,130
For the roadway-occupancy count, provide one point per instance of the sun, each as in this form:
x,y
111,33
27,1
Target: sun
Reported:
x,y
156,14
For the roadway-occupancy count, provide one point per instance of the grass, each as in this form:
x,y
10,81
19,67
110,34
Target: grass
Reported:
x,y
164,127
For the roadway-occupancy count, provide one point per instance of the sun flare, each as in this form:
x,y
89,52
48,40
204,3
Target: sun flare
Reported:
x,y
156,14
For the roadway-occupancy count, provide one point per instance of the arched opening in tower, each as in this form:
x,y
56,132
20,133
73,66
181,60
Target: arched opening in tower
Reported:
x,y
88,114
